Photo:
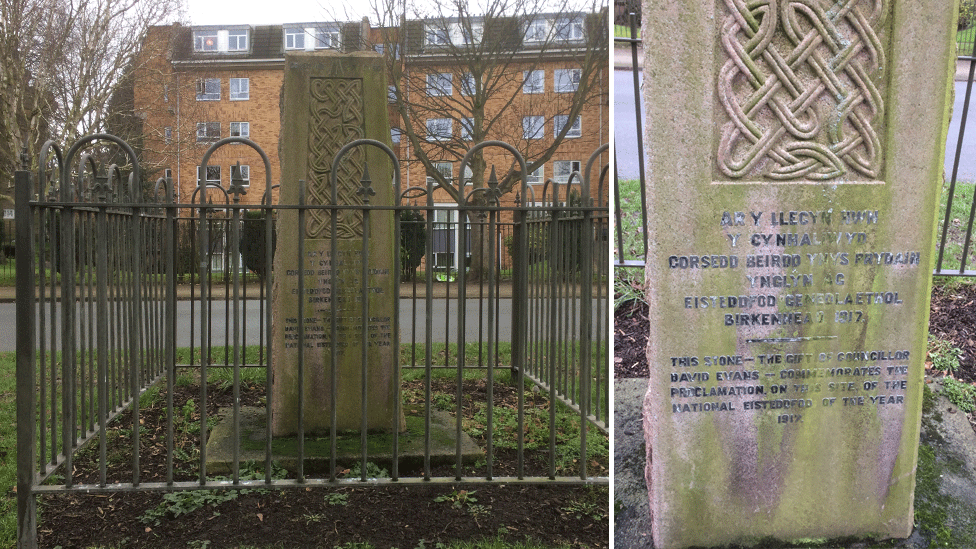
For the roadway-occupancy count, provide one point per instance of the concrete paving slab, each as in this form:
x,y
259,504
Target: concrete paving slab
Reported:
x,y
220,446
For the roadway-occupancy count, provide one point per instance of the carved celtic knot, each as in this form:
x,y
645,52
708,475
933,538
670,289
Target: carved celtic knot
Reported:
x,y
798,89
335,118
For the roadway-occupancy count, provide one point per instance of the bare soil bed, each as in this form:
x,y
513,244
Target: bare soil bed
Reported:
x,y
405,516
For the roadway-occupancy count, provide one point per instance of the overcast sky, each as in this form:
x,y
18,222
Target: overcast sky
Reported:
x,y
264,12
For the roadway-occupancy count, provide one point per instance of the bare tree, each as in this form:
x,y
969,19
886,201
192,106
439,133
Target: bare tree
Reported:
x,y
60,63
488,53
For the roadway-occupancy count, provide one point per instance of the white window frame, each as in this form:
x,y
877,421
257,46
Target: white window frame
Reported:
x,y
205,40
204,132
537,30
533,127
439,129
437,36
567,80
446,169
395,135
293,36
240,89
237,40
569,29
538,177
467,128
440,83
211,170
560,120
477,32
562,169
243,130
245,174
168,134
205,89
327,38
534,81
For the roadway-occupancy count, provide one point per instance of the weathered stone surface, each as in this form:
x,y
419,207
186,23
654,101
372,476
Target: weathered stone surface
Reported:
x,y
329,100
795,160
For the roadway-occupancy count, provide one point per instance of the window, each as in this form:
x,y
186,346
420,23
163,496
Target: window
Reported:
x,y
567,80
468,174
165,93
467,84
560,120
242,173
168,134
532,127
561,169
295,39
533,81
537,30
444,168
395,134
168,174
208,131
474,34
438,129
237,40
205,40
327,38
568,28
391,96
208,89
467,128
240,129
213,174
537,177
240,89
439,83
437,36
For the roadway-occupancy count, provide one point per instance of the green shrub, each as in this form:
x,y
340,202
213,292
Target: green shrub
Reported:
x,y
967,13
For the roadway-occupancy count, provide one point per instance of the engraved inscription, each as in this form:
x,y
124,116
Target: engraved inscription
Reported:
x,y
799,88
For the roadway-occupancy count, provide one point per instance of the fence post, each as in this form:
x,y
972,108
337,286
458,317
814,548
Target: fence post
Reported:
x,y
26,393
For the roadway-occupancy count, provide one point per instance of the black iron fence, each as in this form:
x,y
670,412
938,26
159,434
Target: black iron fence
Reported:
x,y
955,246
128,302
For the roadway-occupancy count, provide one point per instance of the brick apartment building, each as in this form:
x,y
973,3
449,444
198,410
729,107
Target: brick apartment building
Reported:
x,y
195,85
198,84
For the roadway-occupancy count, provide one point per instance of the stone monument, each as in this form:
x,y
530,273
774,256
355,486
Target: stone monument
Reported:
x,y
329,100
795,159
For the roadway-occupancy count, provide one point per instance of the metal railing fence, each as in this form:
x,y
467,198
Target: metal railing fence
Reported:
x,y
119,304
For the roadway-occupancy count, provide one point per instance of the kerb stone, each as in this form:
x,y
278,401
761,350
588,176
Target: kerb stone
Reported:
x,y
329,100
795,154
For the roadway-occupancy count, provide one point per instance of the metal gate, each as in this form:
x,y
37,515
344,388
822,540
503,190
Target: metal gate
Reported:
x,y
120,304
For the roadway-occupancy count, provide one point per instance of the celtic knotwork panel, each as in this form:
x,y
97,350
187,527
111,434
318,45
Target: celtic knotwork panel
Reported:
x,y
799,88
335,118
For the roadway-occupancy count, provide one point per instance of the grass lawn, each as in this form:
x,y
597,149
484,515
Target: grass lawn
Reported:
x,y
962,202
964,41
623,31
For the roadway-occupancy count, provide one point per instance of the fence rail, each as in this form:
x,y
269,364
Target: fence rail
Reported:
x,y
125,318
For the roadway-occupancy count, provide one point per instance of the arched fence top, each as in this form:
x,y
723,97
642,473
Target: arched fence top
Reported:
x,y
589,169
366,189
67,189
484,144
206,158
47,148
